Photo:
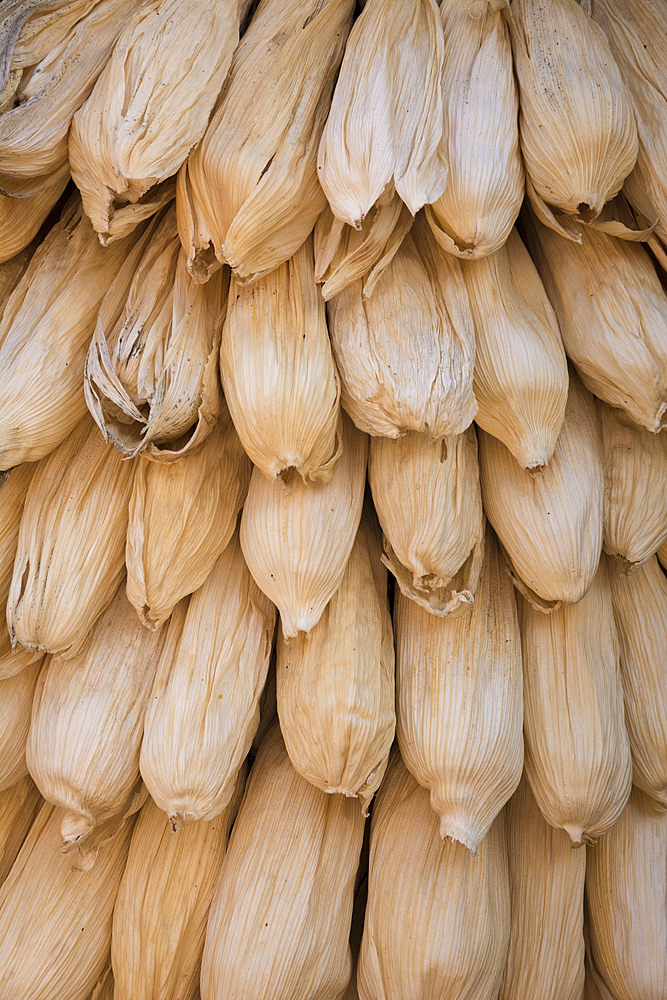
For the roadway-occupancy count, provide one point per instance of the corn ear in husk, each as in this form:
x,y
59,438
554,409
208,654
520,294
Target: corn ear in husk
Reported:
x,y
204,707
336,689
296,539
16,696
521,379
550,522
280,918
18,807
429,505
437,918
11,272
22,218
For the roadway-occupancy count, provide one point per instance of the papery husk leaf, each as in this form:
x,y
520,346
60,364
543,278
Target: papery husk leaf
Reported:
x,y
18,807
22,218
11,272
16,695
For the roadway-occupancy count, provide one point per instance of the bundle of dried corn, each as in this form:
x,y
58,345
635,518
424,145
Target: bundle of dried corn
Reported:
x,y
578,758
459,703
249,193
182,515
133,131
379,133
16,695
485,189
204,708
278,372
70,558
577,124
22,218
336,689
546,952
55,921
296,539
19,806
550,522
281,914
88,720
151,379
520,378
626,891
437,918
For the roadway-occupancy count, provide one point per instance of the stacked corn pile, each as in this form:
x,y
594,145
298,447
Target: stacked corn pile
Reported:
x,y
333,379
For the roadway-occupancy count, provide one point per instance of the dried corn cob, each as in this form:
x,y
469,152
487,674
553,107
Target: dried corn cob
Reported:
x,y
16,694
21,218
18,807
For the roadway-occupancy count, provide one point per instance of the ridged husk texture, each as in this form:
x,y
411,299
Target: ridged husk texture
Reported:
x,y
578,758
336,689
459,703
22,218
13,492
437,919
204,708
284,935
11,272
520,380
16,694
474,216
18,807
550,522
296,539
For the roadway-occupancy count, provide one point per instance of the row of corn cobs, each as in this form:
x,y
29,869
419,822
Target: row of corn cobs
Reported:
x,y
171,383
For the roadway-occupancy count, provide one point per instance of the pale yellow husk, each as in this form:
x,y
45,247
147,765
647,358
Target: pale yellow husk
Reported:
x,y
22,218
104,989
578,758
249,191
45,331
550,522
438,918
474,216
296,539
133,131
170,877
662,555
429,504
70,558
204,707
281,913
546,953
640,610
336,689
181,517
577,123
11,272
151,372
379,134
13,493
18,807
16,695
520,377
406,354
278,372
635,487
29,31
612,313
55,921
626,891
459,703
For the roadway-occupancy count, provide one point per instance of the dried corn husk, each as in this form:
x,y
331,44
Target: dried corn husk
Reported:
x,y
88,720
11,272
204,708
154,958
182,516
104,989
612,313
278,372
134,132
18,807
551,522
22,218
578,758
281,913
16,694
662,555
406,355
640,610
249,191
13,492
521,378
151,371
71,546
429,504
626,891
377,137
546,953
55,921
30,30
336,689
577,124
635,487
437,918
45,332
296,539
459,703
474,215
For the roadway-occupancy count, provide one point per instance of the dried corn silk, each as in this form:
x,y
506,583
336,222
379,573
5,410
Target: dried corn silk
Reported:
x,y
16,696
18,807
22,218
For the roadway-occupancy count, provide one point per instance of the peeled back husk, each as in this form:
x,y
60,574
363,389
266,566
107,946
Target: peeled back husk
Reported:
x,y
16,696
